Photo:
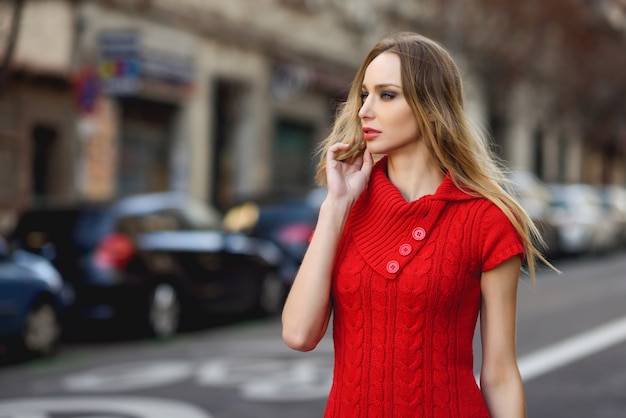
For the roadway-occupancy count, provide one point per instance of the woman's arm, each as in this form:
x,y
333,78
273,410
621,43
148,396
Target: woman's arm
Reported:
x,y
307,309
500,380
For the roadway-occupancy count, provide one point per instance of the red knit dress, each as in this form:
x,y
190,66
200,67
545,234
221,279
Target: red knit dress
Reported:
x,y
406,297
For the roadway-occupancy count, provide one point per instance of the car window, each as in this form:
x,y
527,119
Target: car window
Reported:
x,y
61,227
164,220
272,216
4,248
90,225
165,211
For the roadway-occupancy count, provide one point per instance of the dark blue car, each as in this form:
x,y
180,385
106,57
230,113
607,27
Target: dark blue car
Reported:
x,y
32,300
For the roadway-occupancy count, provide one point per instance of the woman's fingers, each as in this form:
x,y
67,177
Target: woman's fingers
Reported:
x,y
368,163
331,155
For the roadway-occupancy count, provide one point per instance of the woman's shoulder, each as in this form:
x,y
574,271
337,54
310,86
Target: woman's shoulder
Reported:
x,y
480,215
487,210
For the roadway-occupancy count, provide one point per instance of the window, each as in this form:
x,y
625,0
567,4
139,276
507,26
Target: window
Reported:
x,y
307,5
293,151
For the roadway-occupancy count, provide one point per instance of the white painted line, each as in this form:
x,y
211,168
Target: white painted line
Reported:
x,y
138,407
129,376
572,349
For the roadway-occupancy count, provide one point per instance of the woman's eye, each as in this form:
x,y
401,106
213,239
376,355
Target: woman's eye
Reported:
x,y
363,96
387,95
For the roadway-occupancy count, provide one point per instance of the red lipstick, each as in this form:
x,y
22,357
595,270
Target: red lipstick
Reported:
x,y
370,133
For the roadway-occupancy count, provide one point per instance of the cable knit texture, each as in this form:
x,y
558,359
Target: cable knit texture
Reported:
x,y
406,295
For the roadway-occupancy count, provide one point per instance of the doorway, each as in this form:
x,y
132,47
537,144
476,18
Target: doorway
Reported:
x,y
44,139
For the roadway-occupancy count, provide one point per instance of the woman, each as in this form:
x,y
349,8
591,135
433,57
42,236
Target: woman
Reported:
x,y
410,248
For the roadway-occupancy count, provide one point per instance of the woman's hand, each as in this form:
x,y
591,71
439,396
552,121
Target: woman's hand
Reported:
x,y
347,179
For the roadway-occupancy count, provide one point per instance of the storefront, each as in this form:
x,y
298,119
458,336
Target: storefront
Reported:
x,y
130,142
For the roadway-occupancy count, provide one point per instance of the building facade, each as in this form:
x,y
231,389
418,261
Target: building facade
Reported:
x,y
221,99
37,147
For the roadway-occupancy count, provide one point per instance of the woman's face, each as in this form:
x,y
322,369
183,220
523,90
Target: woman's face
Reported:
x,y
389,125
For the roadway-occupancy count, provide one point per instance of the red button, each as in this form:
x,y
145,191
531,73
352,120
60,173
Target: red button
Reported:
x,y
393,266
405,249
419,234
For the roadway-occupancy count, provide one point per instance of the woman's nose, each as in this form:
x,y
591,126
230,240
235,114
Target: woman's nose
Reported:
x,y
365,111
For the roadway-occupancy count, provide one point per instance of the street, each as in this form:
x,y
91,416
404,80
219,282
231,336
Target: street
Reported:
x,y
571,349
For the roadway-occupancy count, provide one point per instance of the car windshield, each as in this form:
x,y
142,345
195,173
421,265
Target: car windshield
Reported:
x,y
201,216
81,227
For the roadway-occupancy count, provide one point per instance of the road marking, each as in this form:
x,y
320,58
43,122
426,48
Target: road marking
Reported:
x,y
572,349
260,378
129,376
263,379
138,407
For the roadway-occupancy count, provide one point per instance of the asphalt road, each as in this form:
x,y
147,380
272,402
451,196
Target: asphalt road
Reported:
x,y
571,348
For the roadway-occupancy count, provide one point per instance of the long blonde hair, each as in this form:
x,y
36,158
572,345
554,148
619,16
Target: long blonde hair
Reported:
x,y
432,85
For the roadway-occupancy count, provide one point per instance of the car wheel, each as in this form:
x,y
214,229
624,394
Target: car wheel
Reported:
x,y
41,330
163,311
272,294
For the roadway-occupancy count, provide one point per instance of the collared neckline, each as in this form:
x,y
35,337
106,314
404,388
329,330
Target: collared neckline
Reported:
x,y
389,231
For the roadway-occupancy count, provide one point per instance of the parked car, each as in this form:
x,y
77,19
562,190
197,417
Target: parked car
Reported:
x,y
153,260
287,220
534,196
614,199
32,302
582,220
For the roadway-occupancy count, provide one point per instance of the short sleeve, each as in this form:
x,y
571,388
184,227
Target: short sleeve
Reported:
x,y
500,239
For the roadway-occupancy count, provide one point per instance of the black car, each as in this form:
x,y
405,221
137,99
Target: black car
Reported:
x,y
153,260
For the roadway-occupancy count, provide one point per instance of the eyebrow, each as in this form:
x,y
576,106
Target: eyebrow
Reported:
x,y
382,86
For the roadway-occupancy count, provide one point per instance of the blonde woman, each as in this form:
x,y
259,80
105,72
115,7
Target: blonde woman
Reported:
x,y
410,248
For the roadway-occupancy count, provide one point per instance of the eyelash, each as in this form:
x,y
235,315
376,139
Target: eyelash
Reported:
x,y
385,95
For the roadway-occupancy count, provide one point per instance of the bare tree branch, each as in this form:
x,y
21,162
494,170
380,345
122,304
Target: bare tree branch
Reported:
x,y
11,42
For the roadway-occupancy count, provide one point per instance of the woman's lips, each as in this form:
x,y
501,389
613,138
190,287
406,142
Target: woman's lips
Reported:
x,y
369,133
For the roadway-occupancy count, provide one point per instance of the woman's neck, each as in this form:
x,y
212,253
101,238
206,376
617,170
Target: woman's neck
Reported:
x,y
414,175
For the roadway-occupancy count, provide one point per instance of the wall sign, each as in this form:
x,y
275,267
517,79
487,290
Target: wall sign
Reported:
x,y
125,64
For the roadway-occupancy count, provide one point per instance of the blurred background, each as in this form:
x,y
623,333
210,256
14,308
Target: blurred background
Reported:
x,y
157,156
227,99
